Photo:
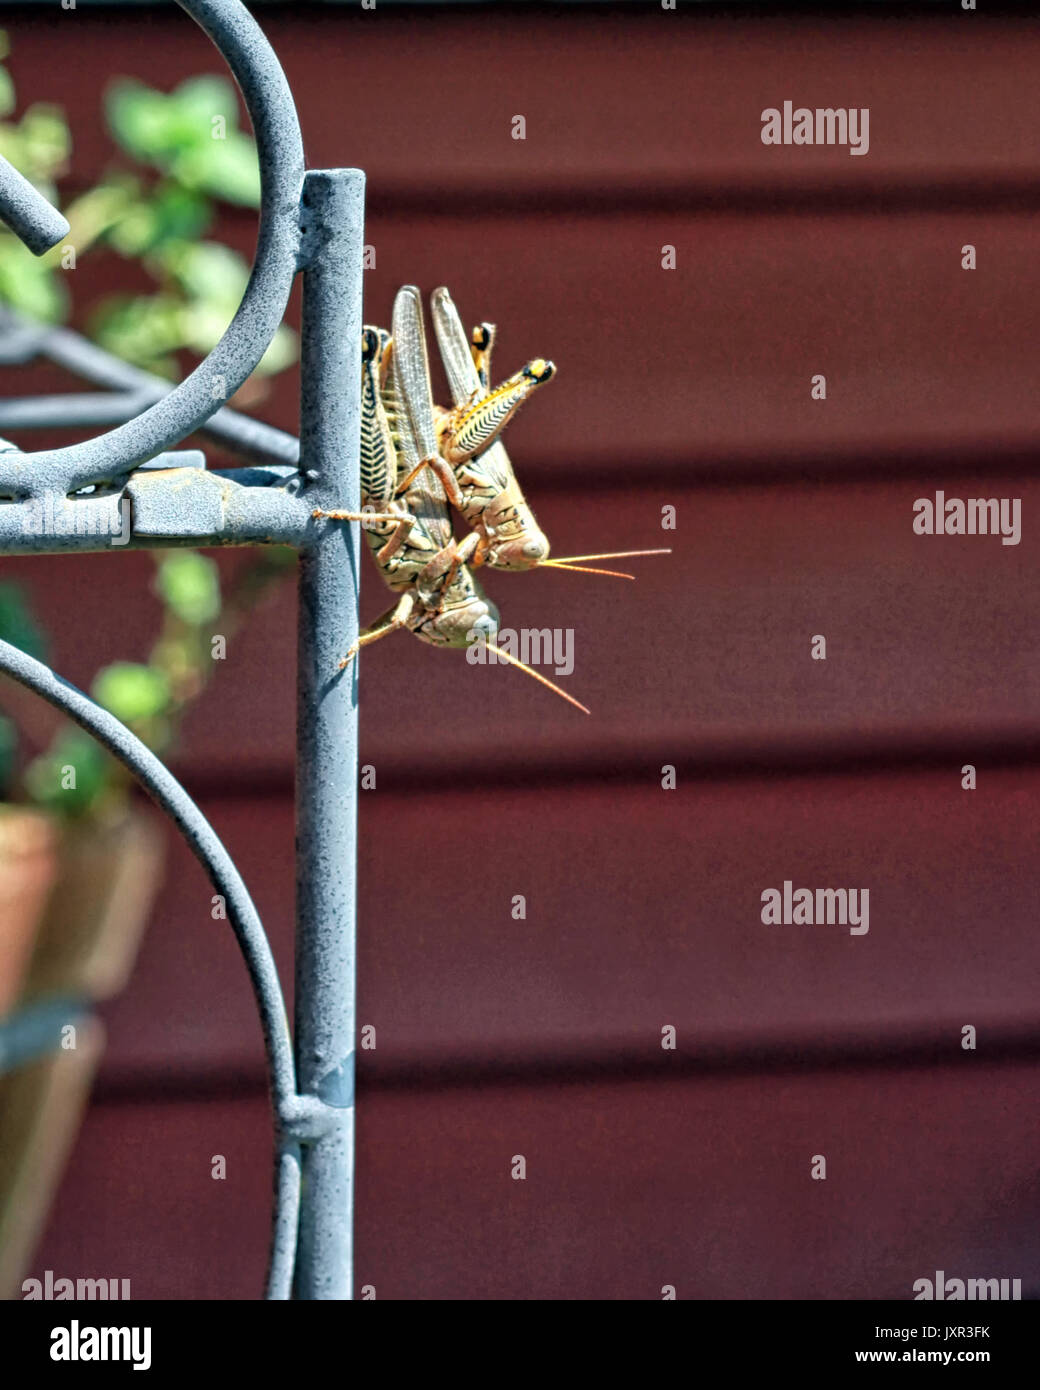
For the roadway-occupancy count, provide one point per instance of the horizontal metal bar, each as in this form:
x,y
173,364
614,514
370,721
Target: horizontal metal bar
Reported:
x,y
77,409
166,506
175,458
27,212
21,341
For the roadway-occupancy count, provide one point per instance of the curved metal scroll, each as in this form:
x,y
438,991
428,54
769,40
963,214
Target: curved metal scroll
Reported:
x,y
28,213
58,472
171,797
280,147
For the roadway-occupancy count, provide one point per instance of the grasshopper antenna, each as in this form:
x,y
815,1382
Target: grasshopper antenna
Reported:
x,y
569,562
513,661
580,569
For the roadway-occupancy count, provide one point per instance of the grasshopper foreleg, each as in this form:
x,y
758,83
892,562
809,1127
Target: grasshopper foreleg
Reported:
x,y
401,532
438,574
356,516
390,621
463,554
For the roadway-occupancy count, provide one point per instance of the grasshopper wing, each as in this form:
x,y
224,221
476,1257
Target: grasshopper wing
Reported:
x,y
410,371
464,379
378,455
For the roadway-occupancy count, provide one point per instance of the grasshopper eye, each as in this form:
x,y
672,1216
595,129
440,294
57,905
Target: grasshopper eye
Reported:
x,y
535,550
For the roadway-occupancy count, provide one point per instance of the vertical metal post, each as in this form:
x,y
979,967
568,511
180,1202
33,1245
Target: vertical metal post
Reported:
x,y
326,776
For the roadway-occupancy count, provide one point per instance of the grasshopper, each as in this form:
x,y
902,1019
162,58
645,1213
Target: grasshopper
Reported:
x,y
440,601
491,499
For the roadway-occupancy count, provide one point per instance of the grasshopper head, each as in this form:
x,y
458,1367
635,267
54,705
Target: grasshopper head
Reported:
x,y
521,553
462,624
539,371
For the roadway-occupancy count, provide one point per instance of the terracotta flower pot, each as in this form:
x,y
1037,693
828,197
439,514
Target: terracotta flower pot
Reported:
x,y
83,923
108,875
28,869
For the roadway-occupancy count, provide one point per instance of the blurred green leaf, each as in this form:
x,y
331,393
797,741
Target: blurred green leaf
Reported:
x,y
203,325
8,755
28,285
143,329
130,691
95,213
46,141
10,143
191,132
189,584
186,661
144,122
171,214
17,624
208,271
228,169
201,98
136,232
45,775
7,96
281,353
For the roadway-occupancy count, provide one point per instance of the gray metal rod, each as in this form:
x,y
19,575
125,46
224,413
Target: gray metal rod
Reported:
x,y
171,797
27,212
327,759
76,409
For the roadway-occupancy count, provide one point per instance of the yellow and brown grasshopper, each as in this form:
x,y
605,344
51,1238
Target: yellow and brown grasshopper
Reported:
x,y
491,499
440,600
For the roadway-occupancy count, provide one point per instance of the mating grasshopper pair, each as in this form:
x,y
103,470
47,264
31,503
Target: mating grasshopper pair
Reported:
x,y
417,458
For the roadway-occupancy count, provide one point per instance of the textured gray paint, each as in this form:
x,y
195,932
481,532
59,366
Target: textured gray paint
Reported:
x,y
326,800
171,499
27,212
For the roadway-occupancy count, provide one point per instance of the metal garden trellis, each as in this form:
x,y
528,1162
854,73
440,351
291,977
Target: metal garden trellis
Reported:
x,y
70,499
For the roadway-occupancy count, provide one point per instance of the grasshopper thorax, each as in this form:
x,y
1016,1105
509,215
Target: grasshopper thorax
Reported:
x,y
464,615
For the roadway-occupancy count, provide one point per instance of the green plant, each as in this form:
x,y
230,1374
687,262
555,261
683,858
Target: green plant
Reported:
x,y
150,697
182,153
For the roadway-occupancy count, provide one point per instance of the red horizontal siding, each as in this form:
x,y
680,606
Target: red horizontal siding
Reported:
x,y
643,908
708,369
687,387
625,99
707,656
702,1185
